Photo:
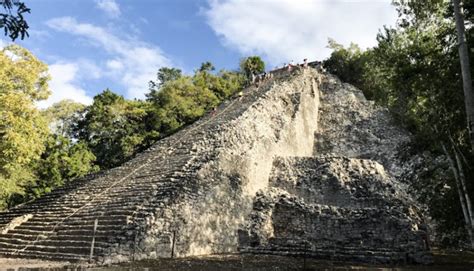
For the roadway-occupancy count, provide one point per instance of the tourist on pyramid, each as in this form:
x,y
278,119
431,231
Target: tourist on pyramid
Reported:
x,y
305,63
290,65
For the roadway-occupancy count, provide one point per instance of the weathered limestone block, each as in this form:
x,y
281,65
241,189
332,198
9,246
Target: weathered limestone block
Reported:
x,y
348,202
352,126
335,208
339,181
232,159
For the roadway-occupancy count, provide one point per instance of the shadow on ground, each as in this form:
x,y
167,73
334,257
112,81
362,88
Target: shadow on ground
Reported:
x,y
444,260
453,261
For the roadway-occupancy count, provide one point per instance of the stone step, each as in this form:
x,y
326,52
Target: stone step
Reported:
x,y
132,194
103,237
139,185
86,232
65,227
109,203
55,256
78,219
79,222
322,251
62,209
100,211
85,218
48,242
64,248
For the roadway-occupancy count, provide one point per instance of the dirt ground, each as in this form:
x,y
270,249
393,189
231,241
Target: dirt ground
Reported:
x,y
447,261
25,264
444,260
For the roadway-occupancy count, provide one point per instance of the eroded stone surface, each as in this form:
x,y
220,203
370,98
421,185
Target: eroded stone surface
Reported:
x,y
338,181
190,193
186,195
348,202
335,208
352,126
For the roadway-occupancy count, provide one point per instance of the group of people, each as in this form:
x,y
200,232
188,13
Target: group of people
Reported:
x,y
257,79
260,78
292,65
265,76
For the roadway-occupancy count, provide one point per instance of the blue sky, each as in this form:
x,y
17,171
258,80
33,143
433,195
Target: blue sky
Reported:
x,y
91,45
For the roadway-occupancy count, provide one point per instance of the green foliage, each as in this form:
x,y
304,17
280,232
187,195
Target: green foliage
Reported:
x,y
113,128
348,64
62,116
164,75
414,71
14,26
226,84
32,160
61,161
184,100
82,139
206,67
23,82
252,66
412,13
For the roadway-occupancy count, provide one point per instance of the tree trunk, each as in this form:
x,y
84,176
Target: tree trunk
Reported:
x,y
465,69
462,198
462,179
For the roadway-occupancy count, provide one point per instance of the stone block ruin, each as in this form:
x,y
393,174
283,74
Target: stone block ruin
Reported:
x,y
302,165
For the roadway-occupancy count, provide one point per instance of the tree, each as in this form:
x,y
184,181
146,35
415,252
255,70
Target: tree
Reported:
x,y
63,160
23,81
62,116
164,75
466,71
113,128
226,84
14,25
206,67
183,101
252,66
349,64
414,71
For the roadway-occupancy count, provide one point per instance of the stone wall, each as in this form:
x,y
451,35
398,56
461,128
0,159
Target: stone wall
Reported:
x,y
335,208
347,202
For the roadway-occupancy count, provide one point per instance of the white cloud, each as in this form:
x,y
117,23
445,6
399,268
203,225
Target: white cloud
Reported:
x,y
63,84
115,65
3,44
132,63
88,69
110,7
282,30
38,34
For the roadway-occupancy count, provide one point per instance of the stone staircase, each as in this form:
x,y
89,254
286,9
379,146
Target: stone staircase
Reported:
x,y
245,178
60,225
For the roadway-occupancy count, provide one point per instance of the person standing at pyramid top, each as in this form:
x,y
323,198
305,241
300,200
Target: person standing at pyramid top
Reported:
x,y
291,65
305,63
